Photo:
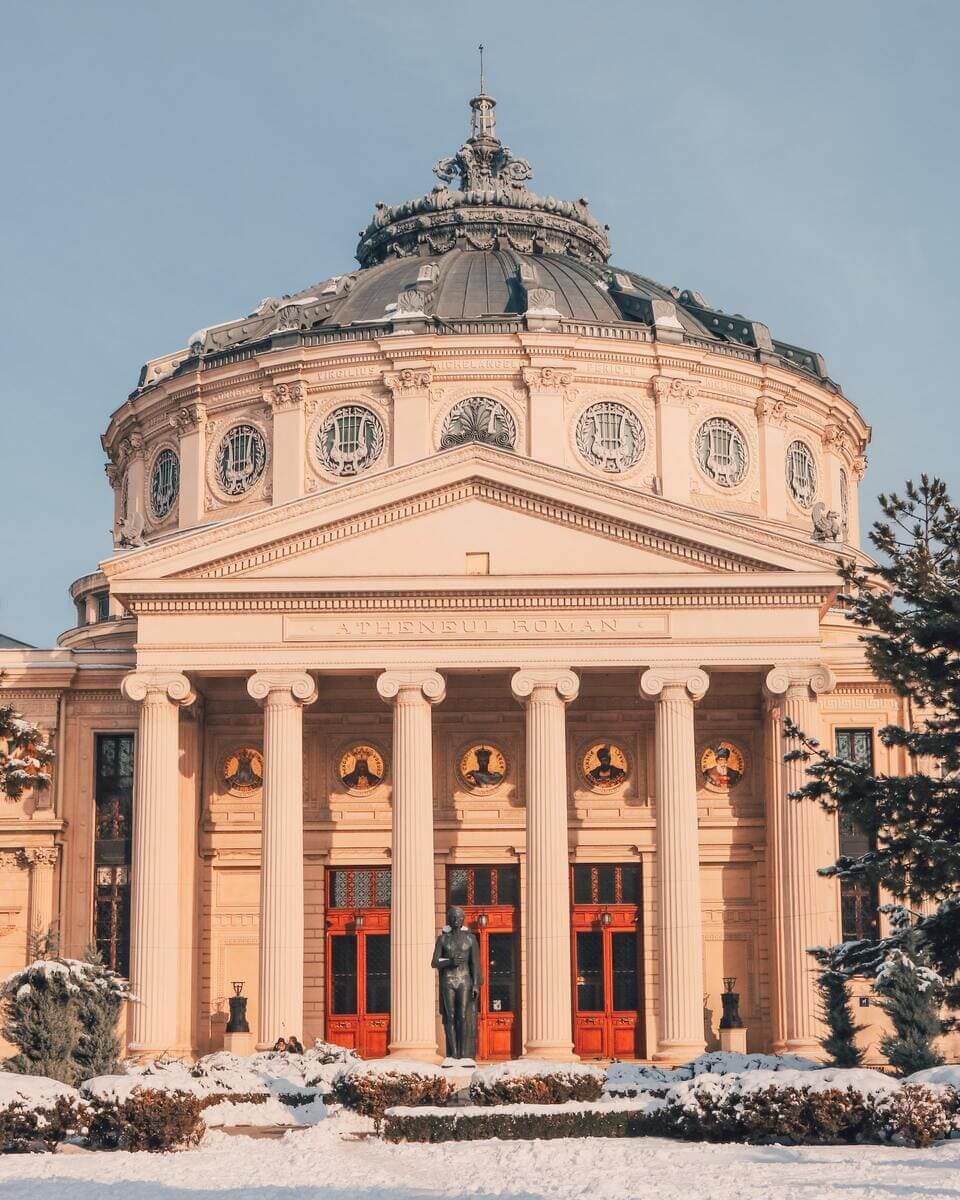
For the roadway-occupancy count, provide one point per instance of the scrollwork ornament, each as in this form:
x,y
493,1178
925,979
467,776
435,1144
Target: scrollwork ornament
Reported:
x,y
674,391
171,685
690,679
295,686
565,684
430,684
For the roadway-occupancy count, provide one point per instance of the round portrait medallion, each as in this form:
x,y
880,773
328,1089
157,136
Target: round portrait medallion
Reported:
x,y
482,767
722,766
360,769
604,766
242,771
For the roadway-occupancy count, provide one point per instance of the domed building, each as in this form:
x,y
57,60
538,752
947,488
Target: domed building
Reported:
x,y
483,574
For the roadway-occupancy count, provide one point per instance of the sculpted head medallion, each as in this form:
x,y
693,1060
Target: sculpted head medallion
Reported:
x,y
722,766
361,769
604,766
242,771
482,767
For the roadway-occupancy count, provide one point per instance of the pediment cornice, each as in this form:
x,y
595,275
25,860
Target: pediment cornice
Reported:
x,y
679,532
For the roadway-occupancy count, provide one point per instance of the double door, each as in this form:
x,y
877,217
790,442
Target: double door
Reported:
x,y
606,960
490,898
358,959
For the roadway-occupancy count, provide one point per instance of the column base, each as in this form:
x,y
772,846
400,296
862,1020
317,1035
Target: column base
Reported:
x,y
415,1052
551,1051
676,1054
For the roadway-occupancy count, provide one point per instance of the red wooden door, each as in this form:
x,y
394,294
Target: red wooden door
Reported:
x,y
358,959
489,897
606,961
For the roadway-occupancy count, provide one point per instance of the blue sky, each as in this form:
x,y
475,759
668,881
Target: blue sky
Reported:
x,y
167,165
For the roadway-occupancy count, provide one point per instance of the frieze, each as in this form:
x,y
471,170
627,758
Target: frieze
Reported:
x,y
495,629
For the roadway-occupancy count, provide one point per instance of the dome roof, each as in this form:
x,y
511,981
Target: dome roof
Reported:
x,y
494,254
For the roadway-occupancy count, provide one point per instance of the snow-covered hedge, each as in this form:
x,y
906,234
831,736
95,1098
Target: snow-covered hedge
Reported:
x,y
634,1079
531,1082
373,1086
793,1107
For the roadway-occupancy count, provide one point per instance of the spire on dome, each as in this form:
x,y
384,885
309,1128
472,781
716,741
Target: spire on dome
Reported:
x,y
483,161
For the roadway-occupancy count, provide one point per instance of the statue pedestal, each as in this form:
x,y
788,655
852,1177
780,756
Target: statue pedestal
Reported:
x,y
734,1040
238,1043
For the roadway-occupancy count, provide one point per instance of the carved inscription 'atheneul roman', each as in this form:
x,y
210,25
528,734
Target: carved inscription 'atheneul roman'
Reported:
x,y
414,628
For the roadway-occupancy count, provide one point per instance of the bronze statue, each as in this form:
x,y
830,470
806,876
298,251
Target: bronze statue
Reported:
x,y
457,957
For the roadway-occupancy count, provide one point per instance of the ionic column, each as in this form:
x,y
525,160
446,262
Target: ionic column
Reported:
x,y
807,906
413,1003
282,695
40,861
155,875
545,695
679,933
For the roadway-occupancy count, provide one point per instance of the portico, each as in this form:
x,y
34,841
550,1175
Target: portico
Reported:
x,y
238,626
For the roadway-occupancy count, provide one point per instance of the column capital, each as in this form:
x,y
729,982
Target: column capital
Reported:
x,y
660,682
430,684
297,686
794,677
563,682
171,684
40,856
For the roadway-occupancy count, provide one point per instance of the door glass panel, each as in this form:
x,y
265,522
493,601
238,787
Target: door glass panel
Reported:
x,y
507,885
590,972
606,885
624,946
630,885
501,973
378,972
383,880
481,885
361,889
582,889
344,973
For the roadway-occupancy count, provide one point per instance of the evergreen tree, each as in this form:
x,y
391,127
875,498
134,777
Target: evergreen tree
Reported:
x,y
61,1013
25,756
835,1012
910,994
909,607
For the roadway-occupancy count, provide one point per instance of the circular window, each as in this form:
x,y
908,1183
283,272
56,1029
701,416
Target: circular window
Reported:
x,y
801,473
164,483
349,440
479,419
722,452
610,436
241,458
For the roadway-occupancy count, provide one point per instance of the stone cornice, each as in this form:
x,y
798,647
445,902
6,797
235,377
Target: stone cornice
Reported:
x,y
151,559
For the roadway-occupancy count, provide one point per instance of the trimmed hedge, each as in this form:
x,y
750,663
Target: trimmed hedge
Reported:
x,y
372,1092
147,1120
914,1115
25,1128
553,1088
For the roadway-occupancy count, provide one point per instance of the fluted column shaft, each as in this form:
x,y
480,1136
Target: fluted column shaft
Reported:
x,y
680,937
413,1006
155,892
806,909
549,1027
280,1005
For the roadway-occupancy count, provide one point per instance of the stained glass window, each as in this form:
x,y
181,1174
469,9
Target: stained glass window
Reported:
x,y
113,797
859,901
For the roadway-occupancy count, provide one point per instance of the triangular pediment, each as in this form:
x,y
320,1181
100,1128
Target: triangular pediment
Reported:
x,y
425,519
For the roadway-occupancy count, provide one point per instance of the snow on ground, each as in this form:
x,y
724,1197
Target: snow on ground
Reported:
x,y
334,1161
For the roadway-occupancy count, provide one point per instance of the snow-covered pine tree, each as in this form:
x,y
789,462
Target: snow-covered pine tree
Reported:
x,y
60,1013
910,994
909,606
97,1050
25,756
835,1012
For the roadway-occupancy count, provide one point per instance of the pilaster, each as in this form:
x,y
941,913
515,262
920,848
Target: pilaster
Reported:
x,y
191,424
286,400
547,390
410,390
771,421
673,398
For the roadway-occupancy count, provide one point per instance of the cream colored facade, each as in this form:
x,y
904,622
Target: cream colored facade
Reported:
x,y
522,597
